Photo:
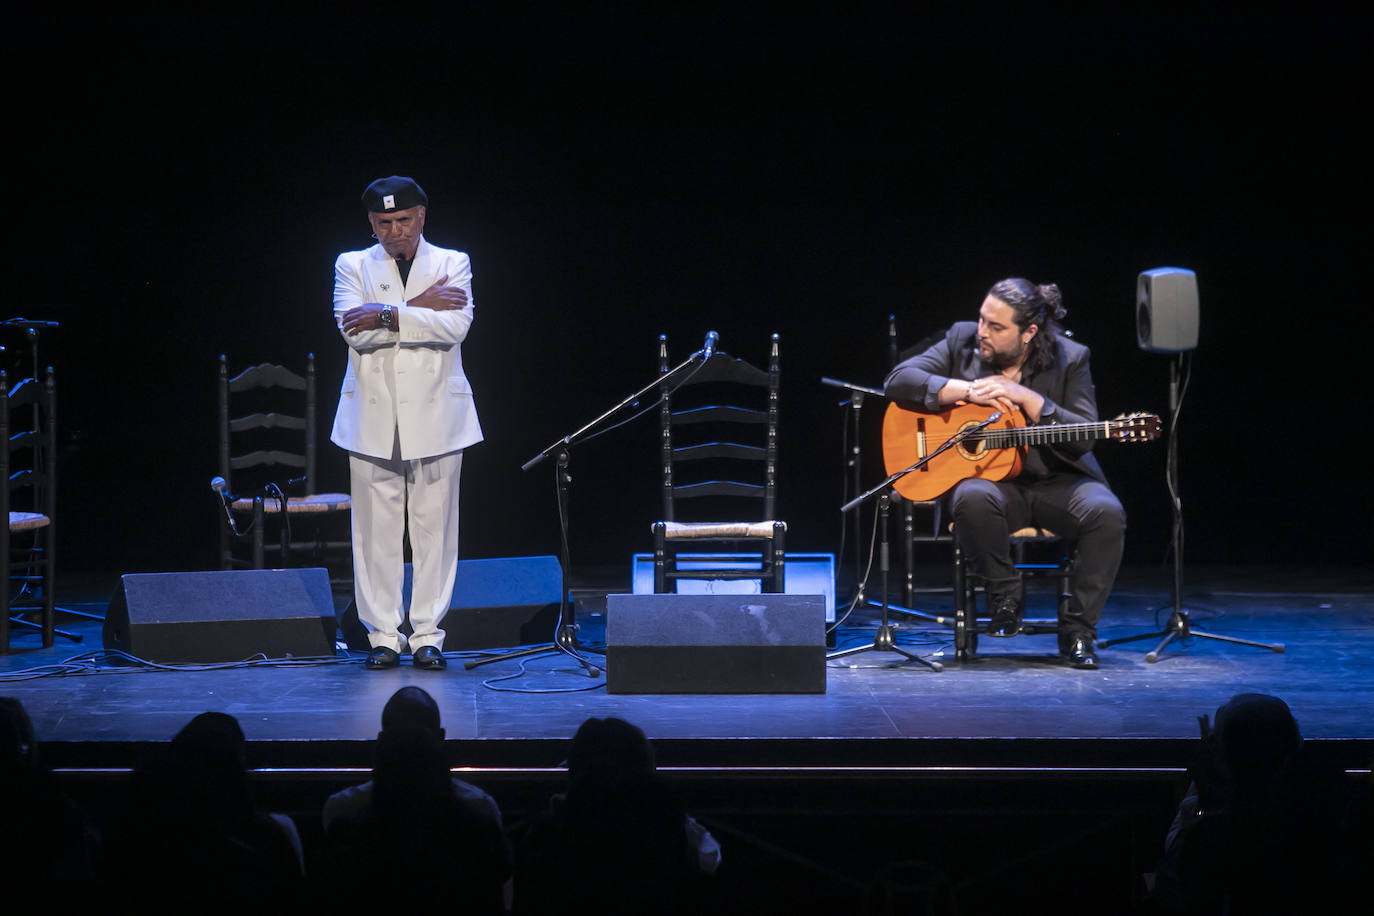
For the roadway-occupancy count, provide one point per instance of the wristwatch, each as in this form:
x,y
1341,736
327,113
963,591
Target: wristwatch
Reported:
x,y
386,317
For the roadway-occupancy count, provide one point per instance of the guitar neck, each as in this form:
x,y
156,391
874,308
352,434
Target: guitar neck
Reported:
x,y
1046,435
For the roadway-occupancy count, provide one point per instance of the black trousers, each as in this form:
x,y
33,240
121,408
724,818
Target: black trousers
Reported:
x,y
1080,509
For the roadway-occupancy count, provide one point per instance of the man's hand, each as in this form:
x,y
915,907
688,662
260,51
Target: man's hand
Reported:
x,y
1005,394
440,297
361,318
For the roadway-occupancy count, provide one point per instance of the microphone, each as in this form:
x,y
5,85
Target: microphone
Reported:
x,y
219,485
708,349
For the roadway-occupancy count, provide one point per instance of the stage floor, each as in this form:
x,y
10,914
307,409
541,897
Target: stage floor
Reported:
x,y
994,785
1015,705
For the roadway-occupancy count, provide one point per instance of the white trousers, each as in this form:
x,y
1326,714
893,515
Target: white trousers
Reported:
x,y
388,496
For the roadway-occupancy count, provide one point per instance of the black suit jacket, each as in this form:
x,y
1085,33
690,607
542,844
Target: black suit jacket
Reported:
x,y
1066,385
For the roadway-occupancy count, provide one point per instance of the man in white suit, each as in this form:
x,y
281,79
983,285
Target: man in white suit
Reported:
x,y
405,415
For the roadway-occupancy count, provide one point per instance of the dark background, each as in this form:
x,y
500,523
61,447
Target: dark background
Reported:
x,y
183,184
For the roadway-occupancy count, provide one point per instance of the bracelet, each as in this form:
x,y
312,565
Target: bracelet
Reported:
x,y
970,391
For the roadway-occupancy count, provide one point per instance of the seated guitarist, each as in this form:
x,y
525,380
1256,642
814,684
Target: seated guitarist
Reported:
x,y
1015,358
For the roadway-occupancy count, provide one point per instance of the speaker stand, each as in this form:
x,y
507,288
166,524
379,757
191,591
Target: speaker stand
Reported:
x,y
1179,625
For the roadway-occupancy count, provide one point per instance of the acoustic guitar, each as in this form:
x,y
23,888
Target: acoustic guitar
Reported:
x,y
994,453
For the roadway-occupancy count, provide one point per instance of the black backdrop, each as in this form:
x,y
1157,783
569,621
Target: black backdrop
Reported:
x,y
183,184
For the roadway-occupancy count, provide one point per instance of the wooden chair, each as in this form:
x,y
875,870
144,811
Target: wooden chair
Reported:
x,y
28,498
270,452
718,438
1023,541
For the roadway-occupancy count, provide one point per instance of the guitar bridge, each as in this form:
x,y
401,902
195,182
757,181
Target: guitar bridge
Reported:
x,y
921,443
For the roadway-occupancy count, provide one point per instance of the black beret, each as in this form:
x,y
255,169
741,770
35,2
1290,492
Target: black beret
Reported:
x,y
395,193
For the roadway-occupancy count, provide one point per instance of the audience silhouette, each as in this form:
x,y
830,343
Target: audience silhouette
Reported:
x,y
50,838
413,822
1264,826
191,826
617,839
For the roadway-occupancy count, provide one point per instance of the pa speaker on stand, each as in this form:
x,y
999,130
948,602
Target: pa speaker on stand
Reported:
x,y
1166,313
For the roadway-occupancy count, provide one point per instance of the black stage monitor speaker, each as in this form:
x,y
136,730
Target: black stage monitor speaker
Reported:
x,y
715,643
497,603
1166,310
222,615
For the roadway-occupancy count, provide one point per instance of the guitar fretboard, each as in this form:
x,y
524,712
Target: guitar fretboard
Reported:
x,y
1044,435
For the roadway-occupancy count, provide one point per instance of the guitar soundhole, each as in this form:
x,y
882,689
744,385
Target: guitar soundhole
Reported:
x,y
972,448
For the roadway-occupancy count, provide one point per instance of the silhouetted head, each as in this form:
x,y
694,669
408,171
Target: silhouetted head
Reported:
x,y
610,747
210,739
1255,734
409,768
411,707
208,766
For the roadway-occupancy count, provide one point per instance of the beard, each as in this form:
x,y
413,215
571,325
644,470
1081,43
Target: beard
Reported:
x,y
1002,359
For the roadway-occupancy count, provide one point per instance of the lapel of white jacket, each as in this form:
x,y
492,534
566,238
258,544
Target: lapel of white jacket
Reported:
x,y
421,272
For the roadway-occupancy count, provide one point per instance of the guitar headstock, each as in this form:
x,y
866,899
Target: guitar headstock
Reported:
x,y
1135,427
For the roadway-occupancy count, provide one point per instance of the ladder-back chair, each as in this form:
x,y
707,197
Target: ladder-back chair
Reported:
x,y
28,499
267,438
718,439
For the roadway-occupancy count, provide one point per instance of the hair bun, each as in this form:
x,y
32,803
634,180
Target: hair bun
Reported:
x,y
1054,300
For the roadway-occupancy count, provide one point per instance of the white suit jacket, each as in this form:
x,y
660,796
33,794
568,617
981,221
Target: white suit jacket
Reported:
x,y
408,381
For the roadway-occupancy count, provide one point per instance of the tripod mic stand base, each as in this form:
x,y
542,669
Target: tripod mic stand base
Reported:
x,y
565,641
884,640
1179,627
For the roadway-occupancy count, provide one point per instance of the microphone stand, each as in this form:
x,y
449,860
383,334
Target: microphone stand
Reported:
x,y
565,639
884,640
855,417
856,466
277,493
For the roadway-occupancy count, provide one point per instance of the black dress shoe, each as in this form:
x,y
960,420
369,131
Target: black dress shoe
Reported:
x,y
381,657
1080,653
428,658
1005,616
1006,606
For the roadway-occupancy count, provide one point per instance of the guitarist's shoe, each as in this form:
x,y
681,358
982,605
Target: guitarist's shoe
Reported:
x,y
1080,653
1006,605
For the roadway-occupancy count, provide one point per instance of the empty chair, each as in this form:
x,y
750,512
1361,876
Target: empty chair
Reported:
x,y
267,438
28,467
718,433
